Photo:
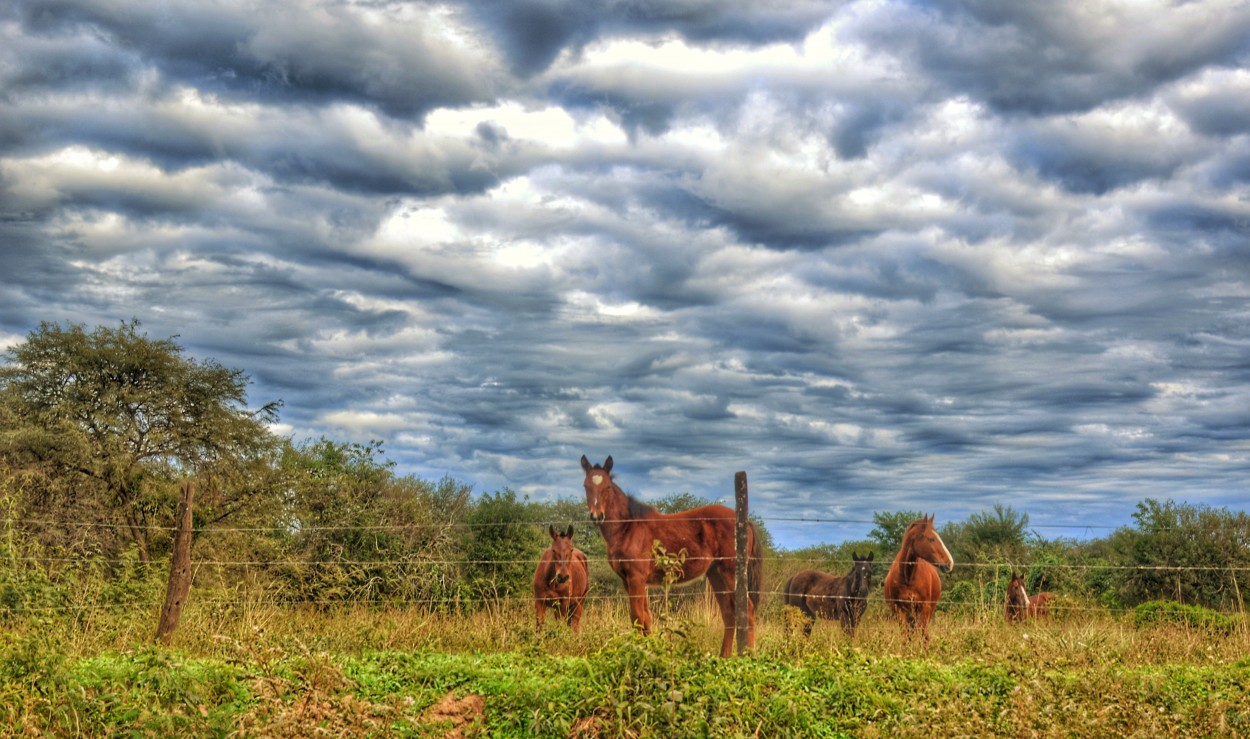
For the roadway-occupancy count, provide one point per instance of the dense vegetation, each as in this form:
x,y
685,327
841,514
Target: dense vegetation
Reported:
x,y
260,669
332,590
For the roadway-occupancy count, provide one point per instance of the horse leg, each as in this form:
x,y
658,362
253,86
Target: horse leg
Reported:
x,y
540,613
750,624
907,616
847,620
809,616
722,588
575,616
639,610
851,615
923,617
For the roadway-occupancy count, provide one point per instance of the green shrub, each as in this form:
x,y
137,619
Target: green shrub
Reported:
x,y
1195,617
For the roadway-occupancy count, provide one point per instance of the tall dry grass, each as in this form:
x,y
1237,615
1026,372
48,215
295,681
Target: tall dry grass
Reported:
x,y
1076,636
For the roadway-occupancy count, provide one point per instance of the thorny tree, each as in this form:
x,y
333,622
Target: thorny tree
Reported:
x,y
125,415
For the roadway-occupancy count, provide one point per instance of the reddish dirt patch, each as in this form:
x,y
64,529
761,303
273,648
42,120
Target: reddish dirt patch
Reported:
x,y
585,728
465,715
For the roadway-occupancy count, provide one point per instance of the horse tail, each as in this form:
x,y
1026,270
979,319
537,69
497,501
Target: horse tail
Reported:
x,y
787,593
755,568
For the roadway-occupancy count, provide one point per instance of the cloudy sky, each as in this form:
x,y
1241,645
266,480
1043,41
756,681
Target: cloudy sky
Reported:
x,y
880,254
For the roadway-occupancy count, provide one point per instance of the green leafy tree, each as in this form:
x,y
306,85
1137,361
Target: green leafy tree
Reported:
x,y
1185,553
889,529
122,416
349,530
678,502
330,517
504,545
996,535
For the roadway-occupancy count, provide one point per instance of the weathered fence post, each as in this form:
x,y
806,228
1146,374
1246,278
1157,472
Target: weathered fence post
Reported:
x,y
741,626
179,569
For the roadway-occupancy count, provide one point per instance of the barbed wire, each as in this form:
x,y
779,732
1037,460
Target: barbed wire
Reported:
x,y
882,565
297,527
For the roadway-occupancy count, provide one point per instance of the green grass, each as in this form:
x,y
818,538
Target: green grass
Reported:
x,y
257,669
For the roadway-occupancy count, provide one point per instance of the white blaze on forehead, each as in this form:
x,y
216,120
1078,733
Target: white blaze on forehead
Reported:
x,y
947,552
596,479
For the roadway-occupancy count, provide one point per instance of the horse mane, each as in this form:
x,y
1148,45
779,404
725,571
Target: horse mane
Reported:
x,y
639,509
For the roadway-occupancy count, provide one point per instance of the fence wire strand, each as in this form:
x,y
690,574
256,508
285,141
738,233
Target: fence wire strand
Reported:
x,y
462,603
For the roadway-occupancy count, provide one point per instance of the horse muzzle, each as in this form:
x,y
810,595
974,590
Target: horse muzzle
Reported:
x,y
597,517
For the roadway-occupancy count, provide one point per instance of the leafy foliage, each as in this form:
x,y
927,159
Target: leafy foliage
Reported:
x,y
627,686
504,545
118,417
1182,552
998,534
1171,612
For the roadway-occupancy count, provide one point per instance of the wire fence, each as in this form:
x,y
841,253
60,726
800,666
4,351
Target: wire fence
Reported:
x,y
301,527
779,564
995,566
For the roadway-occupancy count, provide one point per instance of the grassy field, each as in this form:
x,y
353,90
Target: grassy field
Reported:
x,y
250,668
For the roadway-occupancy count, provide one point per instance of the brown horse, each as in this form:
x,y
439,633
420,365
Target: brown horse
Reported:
x,y
1021,605
631,529
912,586
561,580
818,593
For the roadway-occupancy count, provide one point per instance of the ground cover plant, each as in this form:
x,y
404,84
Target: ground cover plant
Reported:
x,y
254,668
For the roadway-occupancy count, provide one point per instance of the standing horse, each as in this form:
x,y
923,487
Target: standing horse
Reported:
x,y
912,586
818,593
1021,605
631,528
561,579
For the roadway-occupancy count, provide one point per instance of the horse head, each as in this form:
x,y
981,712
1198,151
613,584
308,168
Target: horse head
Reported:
x,y
598,488
859,581
561,554
927,545
1017,594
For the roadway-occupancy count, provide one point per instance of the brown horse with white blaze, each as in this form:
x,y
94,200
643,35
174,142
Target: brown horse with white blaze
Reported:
x,y
631,528
912,586
1021,605
561,580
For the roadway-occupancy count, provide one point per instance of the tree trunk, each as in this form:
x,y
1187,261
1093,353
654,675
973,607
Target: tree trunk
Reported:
x,y
138,534
180,568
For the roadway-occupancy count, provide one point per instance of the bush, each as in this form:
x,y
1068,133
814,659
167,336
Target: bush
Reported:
x,y
1171,612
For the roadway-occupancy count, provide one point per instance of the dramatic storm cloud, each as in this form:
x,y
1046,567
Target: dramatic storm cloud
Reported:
x,y
881,255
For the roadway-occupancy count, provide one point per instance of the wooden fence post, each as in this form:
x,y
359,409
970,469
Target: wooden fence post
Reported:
x,y
179,569
741,625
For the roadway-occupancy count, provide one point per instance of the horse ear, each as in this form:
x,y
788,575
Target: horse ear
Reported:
x,y
585,464
607,464
569,533
551,531
870,555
